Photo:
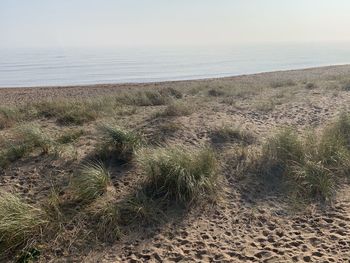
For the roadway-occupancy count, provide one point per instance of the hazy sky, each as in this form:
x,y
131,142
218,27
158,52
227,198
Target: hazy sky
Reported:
x,y
60,23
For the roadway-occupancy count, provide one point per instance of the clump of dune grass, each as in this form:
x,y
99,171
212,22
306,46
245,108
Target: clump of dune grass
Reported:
x,y
108,221
11,153
283,163
118,141
68,112
265,105
145,98
242,160
52,206
21,224
216,92
231,134
312,179
8,116
91,181
73,117
125,110
333,148
34,137
105,216
27,139
70,136
172,92
77,114
282,83
282,149
196,89
340,129
181,175
310,167
244,91
177,109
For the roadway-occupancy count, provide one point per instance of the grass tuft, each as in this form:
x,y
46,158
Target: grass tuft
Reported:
x,y
180,174
310,167
12,153
108,222
28,138
333,148
34,137
282,149
91,181
177,109
282,83
312,179
145,98
217,92
119,142
8,117
105,217
231,134
68,112
172,92
70,136
20,223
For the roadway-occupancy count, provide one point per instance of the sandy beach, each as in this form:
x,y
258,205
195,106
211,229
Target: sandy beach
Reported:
x,y
24,95
249,222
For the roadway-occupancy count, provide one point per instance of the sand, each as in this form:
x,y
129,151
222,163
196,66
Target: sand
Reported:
x,y
250,223
30,94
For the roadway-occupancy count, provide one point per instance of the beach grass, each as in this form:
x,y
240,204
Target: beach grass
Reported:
x,y
171,162
118,142
91,181
21,224
182,175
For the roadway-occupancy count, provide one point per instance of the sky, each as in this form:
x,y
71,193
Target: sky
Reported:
x,y
87,23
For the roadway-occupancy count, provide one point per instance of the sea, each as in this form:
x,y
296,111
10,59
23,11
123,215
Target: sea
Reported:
x,y
35,67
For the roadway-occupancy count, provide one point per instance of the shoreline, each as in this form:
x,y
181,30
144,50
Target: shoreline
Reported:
x,y
176,81
20,95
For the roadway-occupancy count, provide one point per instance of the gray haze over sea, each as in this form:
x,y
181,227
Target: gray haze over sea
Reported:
x,y
74,66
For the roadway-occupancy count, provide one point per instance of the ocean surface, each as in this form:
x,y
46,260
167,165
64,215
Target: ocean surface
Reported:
x,y
74,66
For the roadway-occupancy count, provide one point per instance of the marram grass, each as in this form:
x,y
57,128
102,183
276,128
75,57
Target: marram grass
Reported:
x,y
27,138
20,223
33,136
120,142
91,181
311,166
182,175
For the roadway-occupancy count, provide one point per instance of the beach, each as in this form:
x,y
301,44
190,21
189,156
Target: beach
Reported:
x,y
249,221
24,95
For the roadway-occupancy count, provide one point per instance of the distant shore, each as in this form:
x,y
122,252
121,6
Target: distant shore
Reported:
x,y
23,95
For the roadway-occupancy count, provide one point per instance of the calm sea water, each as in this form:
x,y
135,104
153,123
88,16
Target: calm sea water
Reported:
x,y
46,67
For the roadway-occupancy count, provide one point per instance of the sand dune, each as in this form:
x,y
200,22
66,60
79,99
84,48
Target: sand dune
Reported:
x,y
249,222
